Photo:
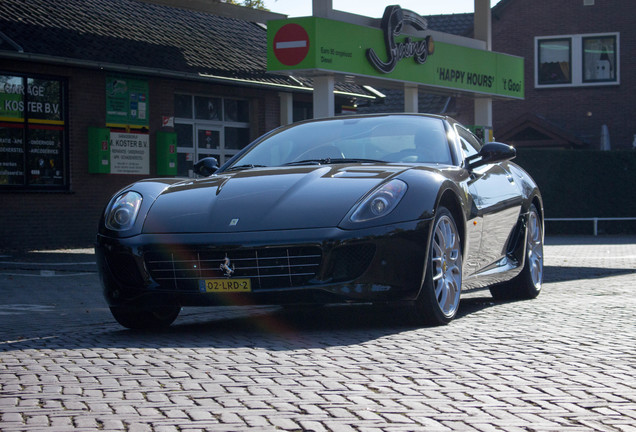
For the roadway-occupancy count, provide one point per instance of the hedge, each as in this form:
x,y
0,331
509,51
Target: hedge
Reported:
x,y
584,183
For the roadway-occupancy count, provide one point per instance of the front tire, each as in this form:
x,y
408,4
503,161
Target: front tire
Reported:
x,y
438,300
527,285
145,319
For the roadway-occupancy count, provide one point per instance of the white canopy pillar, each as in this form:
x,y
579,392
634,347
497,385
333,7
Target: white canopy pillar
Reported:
x,y
411,101
286,108
324,105
483,31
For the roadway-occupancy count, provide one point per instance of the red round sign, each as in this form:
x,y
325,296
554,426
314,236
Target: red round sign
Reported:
x,y
291,44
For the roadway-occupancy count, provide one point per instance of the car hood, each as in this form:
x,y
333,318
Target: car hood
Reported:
x,y
265,199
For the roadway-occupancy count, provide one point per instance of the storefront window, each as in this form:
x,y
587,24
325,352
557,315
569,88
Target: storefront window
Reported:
x,y
183,106
236,138
33,148
236,110
599,59
208,139
555,61
217,127
206,108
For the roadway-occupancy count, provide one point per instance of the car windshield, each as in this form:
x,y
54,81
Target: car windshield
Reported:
x,y
399,139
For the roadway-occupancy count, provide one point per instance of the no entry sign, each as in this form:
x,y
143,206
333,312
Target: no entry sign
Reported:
x,y
291,44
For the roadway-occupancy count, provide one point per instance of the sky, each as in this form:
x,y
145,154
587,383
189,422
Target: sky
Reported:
x,y
375,8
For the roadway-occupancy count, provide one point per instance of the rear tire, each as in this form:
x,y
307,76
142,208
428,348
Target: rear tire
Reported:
x,y
145,319
527,285
438,300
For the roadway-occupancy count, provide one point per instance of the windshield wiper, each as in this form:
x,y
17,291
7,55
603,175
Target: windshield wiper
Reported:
x,y
355,160
244,167
328,161
308,162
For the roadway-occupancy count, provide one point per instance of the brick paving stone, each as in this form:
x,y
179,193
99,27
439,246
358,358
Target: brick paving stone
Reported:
x,y
562,362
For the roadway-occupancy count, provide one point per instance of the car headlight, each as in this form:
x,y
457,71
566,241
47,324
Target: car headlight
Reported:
x,y
122,213
380,202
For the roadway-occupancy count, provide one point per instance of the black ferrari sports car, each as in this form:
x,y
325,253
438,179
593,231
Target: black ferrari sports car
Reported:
x,y
408,208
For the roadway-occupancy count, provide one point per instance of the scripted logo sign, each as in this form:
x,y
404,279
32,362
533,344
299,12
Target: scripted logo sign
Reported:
x,y
393,22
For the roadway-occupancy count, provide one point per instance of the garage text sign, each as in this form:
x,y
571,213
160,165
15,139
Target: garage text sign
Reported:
x,y
40,99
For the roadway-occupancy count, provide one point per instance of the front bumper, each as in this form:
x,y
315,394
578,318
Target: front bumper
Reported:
x,y
325,265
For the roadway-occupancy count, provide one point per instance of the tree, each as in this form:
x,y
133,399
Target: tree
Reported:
x,y
254,4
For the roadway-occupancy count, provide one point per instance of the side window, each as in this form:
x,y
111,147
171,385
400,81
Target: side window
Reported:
x,y
469,142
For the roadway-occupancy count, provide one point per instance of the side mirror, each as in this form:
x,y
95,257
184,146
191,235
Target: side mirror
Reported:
x,y
206,166
491,152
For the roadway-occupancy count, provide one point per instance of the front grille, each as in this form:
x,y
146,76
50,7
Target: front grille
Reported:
x,y
349,262
125,269
267,268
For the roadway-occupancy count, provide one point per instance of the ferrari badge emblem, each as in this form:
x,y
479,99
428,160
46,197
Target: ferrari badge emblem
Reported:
x,y
225,267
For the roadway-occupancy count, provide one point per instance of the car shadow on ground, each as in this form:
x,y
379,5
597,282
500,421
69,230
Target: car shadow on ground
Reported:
x,y
552,274
268,327
284,329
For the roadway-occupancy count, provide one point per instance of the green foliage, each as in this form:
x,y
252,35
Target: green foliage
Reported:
x,y
254,4
584,183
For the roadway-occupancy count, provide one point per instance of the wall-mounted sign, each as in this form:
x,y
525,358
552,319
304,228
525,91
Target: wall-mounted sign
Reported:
x,y
129,153
389,54
126,102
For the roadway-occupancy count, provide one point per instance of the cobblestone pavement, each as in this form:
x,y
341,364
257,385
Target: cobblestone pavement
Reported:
x,y
563,362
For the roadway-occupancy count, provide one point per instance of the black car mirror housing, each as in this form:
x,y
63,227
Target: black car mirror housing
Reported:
x,y
491,152
206,166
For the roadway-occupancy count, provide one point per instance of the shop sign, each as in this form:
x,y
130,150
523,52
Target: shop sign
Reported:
x,y
387,53
40,97
32,132
126,102
392,25
129,153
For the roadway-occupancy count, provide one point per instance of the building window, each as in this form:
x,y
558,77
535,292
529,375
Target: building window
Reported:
x,y
599,59
33,135
209,126
555,59
577,60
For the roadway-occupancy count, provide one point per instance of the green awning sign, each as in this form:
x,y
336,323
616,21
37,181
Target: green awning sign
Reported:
x,y
311,44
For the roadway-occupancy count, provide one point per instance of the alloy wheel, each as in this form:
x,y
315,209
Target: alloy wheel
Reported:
x,y
446,261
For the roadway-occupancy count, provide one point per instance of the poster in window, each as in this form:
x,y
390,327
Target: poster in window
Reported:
x,y
209,139
11,155
45,155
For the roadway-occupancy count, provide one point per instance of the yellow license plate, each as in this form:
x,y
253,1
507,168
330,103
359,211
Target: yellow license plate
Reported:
x,y
227,285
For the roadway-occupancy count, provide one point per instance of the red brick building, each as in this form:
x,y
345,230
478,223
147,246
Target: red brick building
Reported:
x,y
580,58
